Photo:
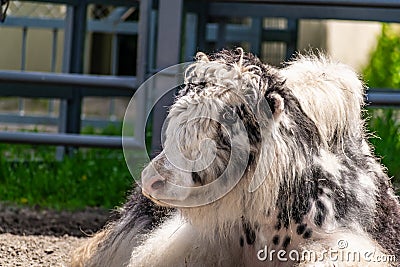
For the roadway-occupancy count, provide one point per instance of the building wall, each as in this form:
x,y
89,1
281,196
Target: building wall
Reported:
x,y
350,42
10,53
38,41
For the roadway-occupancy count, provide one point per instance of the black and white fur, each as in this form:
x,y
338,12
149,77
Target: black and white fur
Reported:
x,y
322,182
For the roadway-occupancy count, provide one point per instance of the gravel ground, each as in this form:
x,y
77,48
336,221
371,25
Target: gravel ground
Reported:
x,y
40,237
16,250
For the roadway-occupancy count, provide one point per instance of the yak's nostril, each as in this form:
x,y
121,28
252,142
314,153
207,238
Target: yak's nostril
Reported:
x,y
153,185
158,184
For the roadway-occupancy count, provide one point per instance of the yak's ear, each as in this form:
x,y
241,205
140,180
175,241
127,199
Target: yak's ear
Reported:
x,y
276,104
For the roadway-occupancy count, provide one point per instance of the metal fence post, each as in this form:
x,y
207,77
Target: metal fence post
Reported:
x,y
291,46
168,53
256,38
202,17
74,42
190,36
142,64
76,24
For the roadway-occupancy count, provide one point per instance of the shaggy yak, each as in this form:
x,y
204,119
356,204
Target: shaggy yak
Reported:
x,y
292,179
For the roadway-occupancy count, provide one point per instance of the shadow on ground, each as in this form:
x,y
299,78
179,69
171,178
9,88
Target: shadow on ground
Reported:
x,y
36,221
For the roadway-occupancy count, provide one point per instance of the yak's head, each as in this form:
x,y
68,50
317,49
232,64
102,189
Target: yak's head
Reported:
x,y
215,131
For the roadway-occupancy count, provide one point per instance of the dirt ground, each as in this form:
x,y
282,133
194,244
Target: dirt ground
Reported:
x,y
39,237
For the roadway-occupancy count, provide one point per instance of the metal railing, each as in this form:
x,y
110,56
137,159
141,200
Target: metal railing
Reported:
x,y
111,25
73,140
62,86
70,86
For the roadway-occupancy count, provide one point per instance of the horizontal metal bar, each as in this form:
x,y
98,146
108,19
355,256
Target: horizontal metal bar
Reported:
x,y
19,119
33,22
62,79
112,2
375,97
237,33
17,83
382,97
352,3
105,26
298,11
58,139
356,3
234,32
60,92
51,120
76,2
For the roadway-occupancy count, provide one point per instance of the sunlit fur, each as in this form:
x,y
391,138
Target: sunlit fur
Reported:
x,y
321,181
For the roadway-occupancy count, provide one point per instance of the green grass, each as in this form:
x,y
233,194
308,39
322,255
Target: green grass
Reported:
x,y
385,126
29,175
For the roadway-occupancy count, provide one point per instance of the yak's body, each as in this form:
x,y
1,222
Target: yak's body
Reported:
x,y
321,187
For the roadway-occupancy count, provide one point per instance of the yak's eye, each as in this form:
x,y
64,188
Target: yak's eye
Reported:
x,y
229,116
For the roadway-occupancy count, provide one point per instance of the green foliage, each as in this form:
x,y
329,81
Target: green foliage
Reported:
x,y
383,71
386,126
30,175
110,129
